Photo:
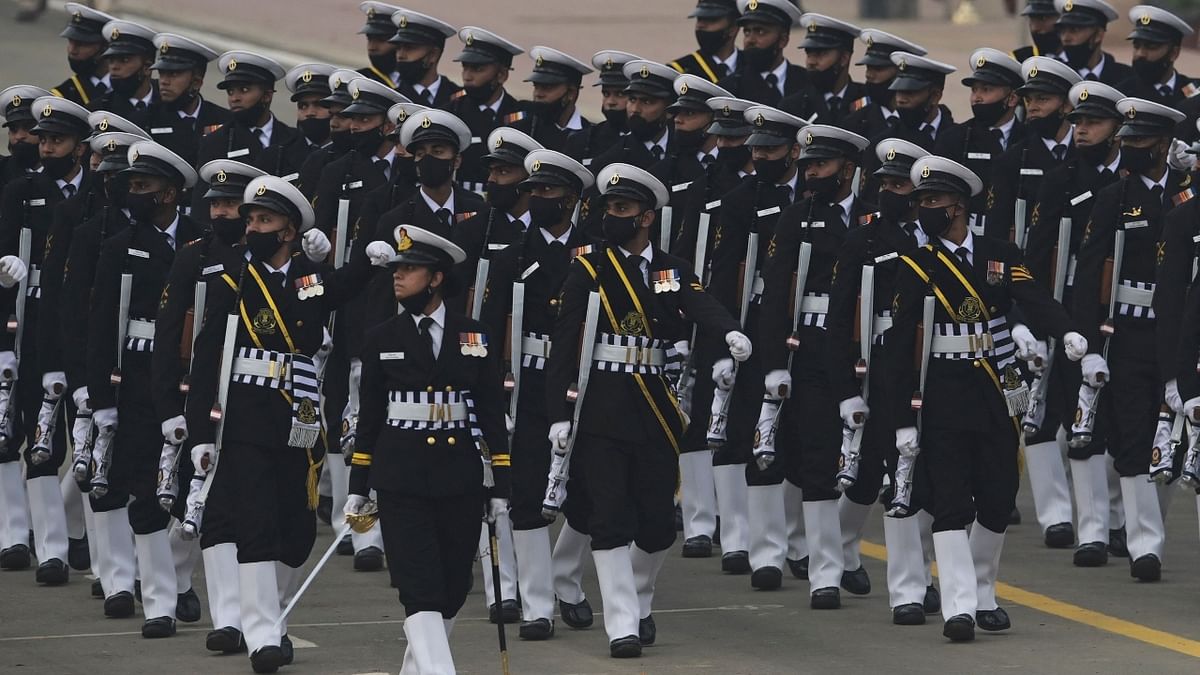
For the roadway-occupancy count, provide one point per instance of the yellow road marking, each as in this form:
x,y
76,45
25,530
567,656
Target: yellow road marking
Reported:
x,y
1065,610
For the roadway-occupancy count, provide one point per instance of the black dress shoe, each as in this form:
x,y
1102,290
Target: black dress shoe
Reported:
x,y
325,509
97,589
1146,568
345,546
857,582
698,547
53,572
912,614
960,628
717,533
511,610
187,606
227,640
158,627
826,598
137,590
267,659
1061,535
1116,543
735,562
766,578
628,647
119,606
79,557
370,559
933,600
993,619
538,629
678,519
647,631
799,568
576,616
15,557
1014,518
286,648
1091,554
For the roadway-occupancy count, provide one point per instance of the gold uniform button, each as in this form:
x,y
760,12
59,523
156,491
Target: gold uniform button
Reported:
x,y
992,310
452,440
431,440
300,323
553,302
449,389
429,388
975,363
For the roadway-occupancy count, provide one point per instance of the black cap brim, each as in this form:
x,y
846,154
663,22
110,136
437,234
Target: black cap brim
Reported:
x,y
73,32
819,41
904,83
318,91
22,116
869,59
361,107
1136,130
815,152
542,77
729,130
1084,19
686,103
630,190
762,138
939,185
895,170
1042,87
227,190
58,126
127,49
988,77
1101,111
711,12
642,88
434,134
176,65
406,36
233,79
114,162
1153,34
503,155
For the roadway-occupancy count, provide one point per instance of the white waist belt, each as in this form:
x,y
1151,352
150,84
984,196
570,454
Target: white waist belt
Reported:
x,y
140,328
427,412
1141,297
35,277
981,344
259,368
633,356
814,304
532,346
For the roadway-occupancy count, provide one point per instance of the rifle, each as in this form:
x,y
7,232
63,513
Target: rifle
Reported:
x,y
1036,415
8,401
168,459
103,449
852,438
902,499
716,436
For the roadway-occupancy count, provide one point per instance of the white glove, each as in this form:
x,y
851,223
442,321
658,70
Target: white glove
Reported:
x,y
1075,345
1095,370
12,271
8,366
174,430
906,441
683,348
722,374
1171,396
54,383
496,508
106,417
560,432
316,245
778,384
380,253
854,412
80,397
1192,407
202,457
1178,156
356,505
739,345
1037,365
1025,342
510,425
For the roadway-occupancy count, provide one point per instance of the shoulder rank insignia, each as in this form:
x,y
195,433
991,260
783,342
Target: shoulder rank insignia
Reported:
x,y
514,117
309,286
995,272
1183,196
666,281
581,250
460,217
472,344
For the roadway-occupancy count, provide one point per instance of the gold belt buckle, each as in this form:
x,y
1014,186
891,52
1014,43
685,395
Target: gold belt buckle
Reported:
x,y
439,412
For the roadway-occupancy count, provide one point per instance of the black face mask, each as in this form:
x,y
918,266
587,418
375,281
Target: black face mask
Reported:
x,y
411,72
249,117
367,142
24,154
825,80
689,140
913,118
58,167
315,129
643,129
934,221
404,171
480,93
384,63
734,159
1045,127
710,41
546,212
502,197
341,141
417,302
879,93
894,206
228,230
1047,43
433,171
142,206
1078,55
82,67
263,245
770,171
1151,72
1093,155
1138,160
126,86
823,187
987,114
760,59
618,230
615,118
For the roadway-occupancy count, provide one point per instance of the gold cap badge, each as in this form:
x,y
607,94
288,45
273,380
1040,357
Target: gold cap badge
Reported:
x,y
981,61
1068,6
48,110
925,172
425,123
645,72
262,190
683,88
499,141
537,165
232,65
1083,95
405,242
759,120
1145,20
164,47
112,145
136,155
16,101
753,5
103,126
616,178
307,76
470,39
116,33
891,154
221,177
1131,113
403,21
539,61
808,140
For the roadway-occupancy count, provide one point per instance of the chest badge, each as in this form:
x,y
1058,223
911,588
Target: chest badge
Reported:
x,y
264,322
472,344
633,324
666,281
307,414
995,272
970,309
309,286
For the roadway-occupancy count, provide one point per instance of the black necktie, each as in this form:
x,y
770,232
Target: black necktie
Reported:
x,y
1164,90
833,103
69,190
773,80
140,106
101,88
426,97
911,230
707,161
720,70
1060,152
383,165
964,255
423,328
657,151
1092,77
443,216
998,137
277,279
1156,194
927,129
